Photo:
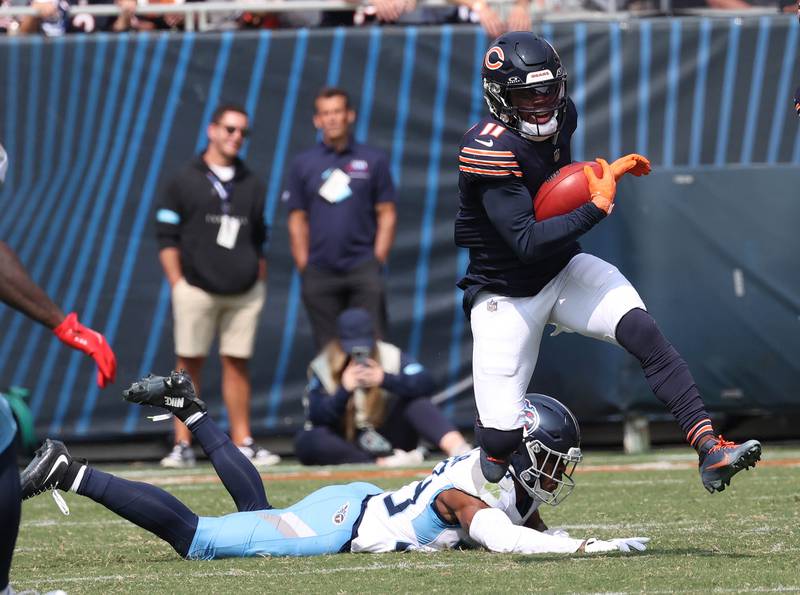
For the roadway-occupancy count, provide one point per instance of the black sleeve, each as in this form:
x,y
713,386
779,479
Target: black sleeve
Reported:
x,y
325,409
412,382
169,217
509,207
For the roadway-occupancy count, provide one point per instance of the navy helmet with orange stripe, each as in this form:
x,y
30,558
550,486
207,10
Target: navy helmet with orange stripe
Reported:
x,y
525,85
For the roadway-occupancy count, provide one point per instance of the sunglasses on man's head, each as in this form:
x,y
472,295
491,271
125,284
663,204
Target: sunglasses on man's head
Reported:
x,y
231,129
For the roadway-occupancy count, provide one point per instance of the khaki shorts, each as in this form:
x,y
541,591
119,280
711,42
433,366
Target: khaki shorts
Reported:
x,y
200,315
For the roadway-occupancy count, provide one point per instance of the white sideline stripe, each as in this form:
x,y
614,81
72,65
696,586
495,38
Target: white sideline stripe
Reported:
x,y
54,522
631,482
780,589
238,572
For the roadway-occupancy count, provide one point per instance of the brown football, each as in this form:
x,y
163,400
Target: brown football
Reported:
x,y
564,191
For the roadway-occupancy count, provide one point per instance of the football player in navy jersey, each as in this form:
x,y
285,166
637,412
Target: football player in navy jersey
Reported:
x,y
19,291
453,506
524,274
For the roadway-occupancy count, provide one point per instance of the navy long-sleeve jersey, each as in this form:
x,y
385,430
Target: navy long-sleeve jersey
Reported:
x,y
510,252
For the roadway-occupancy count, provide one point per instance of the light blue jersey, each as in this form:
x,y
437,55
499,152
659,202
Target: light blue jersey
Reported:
x,y
360,517
8,427
321,523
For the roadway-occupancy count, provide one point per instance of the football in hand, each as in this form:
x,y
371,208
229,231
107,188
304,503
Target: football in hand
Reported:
x,y
564,191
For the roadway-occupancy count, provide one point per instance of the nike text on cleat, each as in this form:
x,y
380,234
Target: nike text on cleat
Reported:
x,y
725,459
48,470
175,393
173,402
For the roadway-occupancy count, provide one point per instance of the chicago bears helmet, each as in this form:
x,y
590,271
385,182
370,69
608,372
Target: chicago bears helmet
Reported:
x,y
525,85
551,449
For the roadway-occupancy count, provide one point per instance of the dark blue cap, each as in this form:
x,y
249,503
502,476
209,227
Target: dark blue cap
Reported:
x,y
355,329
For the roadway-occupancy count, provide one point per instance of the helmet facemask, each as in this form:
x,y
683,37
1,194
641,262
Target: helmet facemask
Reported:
x,y
535,111
548,478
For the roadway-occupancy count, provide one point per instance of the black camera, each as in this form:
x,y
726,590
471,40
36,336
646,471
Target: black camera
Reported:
x,y
360,354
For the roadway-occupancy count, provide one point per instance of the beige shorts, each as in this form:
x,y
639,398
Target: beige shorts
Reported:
x,y
199,316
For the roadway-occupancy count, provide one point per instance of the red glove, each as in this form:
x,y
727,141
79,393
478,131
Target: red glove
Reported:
x,y
92,343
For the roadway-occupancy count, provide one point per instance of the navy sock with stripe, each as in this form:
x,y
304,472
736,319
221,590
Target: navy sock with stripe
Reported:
x,y
667,373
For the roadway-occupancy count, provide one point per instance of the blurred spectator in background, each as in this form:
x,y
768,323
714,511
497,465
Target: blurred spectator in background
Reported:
x,y
211,229
725,4
368,401
518,18
796,100
409,12
128,20
342,218
52,19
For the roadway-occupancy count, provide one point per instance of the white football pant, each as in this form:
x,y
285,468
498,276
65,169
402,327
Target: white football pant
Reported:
x,y
589,296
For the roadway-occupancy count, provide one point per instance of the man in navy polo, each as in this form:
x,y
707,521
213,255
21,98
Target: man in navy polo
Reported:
x,y
342,218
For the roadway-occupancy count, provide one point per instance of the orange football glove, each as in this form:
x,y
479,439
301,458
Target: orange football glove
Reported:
x,y
92,343
637,165
602,189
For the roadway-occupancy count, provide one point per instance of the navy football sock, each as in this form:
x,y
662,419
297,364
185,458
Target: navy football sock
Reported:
x,y
667,374
498,444
238,475
10,500
145,505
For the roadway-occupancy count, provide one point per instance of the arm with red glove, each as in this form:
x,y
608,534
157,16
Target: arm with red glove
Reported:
x,y
92,343
20,292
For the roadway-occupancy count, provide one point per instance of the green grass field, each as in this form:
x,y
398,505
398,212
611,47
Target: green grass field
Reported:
x,y
746,539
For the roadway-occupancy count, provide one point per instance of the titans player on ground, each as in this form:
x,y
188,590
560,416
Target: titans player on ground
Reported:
x,y
453,505
19,291
524,274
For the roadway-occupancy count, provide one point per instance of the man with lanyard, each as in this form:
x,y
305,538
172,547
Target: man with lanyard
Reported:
x,y
211,229
342,217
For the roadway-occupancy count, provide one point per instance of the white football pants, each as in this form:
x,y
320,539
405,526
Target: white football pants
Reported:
x,y
589,296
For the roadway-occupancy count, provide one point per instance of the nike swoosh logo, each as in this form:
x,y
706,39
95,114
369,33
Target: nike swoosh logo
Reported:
x,y
726,460
485,143
61,459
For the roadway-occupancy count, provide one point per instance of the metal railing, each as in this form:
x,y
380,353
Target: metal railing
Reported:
x,y
196,14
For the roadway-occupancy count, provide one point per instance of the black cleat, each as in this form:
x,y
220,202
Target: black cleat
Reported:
x,y
724,460
493,469
175,393
50,469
